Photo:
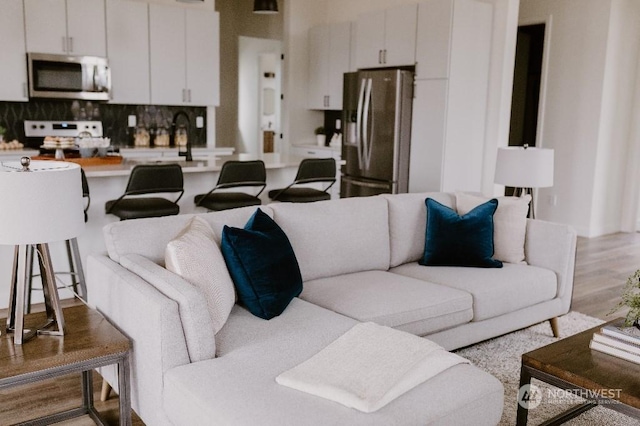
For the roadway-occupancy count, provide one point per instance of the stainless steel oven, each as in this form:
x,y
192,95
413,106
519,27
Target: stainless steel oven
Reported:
x,y
68,77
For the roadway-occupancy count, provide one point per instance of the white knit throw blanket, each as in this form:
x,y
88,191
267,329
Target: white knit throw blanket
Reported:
x,y
369,366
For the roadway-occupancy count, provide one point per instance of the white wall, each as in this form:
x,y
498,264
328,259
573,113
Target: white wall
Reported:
x,y
591,68
617,105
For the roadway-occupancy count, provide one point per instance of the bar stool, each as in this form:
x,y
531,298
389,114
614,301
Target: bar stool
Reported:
x,y
76,272
149,179
235,174
311,170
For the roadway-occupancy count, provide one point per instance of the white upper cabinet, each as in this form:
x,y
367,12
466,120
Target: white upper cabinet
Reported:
x,y
128,51
13,71
184,56
329,59
71,27
387,38
203,57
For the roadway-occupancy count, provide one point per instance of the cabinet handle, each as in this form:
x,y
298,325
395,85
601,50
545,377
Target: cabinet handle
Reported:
x,y
70,44
328,101
189,95
380,56
64,44
184,95
384,56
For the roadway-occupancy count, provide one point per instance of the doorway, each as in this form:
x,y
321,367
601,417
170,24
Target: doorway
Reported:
x,y
527,80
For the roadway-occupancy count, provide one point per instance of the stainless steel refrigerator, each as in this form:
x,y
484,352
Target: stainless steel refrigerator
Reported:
x,y
376,119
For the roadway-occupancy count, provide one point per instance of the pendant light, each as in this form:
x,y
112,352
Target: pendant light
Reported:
x,y
265,7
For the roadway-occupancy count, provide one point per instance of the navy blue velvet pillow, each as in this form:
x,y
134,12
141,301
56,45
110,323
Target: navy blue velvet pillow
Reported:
x,y
454,240
262,265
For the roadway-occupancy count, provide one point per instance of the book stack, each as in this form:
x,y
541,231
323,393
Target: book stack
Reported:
x,y
619,341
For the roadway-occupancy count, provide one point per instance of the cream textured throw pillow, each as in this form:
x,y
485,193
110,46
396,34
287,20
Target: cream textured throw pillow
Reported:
x,y
195,256
509,224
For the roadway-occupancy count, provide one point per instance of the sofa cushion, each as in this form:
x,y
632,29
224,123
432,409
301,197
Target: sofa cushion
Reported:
x,y
407,224
239,387
509,223
149,237
262,265
495,291
454,240
194,255
389,299
338,236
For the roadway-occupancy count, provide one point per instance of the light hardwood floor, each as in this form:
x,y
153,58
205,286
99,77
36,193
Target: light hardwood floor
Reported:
x,y
602,267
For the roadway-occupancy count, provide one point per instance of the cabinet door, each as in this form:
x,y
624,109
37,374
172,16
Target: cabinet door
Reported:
x,y
86,27
370,39
318,67
400,35
128,41
46,26
339,58
433,42
203,57
13,72
167,54
428,136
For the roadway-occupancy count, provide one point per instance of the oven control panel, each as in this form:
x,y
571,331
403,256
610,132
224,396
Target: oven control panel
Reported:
x,y
62,128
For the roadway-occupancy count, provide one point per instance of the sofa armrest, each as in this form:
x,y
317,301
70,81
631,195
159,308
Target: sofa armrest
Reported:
x,y
152,322
195,319
553,246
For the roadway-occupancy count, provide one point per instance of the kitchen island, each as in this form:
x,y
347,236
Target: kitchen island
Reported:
x,y
108,182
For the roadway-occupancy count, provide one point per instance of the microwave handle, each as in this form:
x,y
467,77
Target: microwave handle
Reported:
x,y
100,80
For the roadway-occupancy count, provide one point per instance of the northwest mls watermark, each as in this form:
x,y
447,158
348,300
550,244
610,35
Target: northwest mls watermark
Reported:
x,y
530,396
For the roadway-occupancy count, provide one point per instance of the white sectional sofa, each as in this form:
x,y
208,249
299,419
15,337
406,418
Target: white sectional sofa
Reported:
x,y
358,260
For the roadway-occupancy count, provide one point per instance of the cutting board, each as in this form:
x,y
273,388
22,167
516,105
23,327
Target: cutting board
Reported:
x,y
85,162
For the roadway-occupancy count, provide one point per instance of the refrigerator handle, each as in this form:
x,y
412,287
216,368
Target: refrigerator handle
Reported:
x,y
366,138
359,122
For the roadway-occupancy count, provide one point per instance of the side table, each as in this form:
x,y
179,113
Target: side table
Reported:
x,y
599,378
90,342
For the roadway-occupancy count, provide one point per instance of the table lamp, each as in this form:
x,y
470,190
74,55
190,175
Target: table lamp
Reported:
x,y
41,203
525,168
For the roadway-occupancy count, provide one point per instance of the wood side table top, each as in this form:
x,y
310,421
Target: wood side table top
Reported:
x,y
88,335
572,360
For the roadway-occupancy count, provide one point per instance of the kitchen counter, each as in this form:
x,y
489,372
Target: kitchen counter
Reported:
x,y
199,164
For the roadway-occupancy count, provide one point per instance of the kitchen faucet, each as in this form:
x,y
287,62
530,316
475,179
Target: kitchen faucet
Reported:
x,y
181,153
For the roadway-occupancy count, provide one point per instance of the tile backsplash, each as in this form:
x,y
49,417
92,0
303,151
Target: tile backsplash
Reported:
x,y
114,117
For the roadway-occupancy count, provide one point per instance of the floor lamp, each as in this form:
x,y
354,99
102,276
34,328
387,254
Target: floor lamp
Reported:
x,y
41,203
525,168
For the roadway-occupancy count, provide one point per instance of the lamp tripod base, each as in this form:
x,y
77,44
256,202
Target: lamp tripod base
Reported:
x,y
22,261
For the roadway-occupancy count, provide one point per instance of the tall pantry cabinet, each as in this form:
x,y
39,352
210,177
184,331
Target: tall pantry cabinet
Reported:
x,y
453,52
13,69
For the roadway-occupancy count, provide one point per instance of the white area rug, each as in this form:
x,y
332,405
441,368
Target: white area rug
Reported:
x,y
501,357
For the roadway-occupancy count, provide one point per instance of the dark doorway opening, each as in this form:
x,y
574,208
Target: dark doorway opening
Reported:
x,y
527,77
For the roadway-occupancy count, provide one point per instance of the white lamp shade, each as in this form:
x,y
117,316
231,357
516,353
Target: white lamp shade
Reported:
x,y
521,167
42,205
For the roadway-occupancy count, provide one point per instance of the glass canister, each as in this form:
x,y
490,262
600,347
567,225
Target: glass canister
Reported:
x,y
141,137
162,137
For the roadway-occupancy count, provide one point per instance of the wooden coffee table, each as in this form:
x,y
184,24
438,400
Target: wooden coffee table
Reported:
x,y
90,341
599,378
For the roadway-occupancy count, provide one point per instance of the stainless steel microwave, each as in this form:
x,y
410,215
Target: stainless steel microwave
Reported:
x,y
68,77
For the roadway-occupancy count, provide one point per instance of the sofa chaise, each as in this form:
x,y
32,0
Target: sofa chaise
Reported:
x,y
358,258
